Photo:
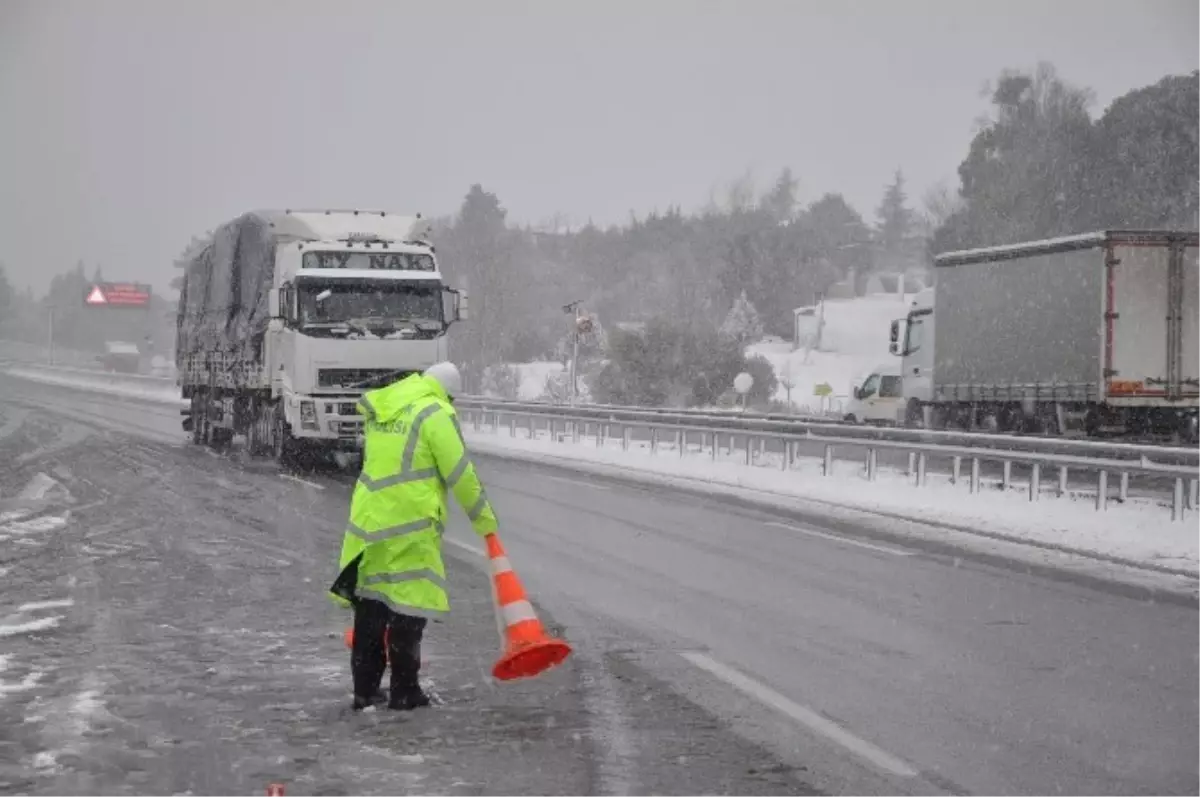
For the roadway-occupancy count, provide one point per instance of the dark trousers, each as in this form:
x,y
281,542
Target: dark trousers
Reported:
x,y
368,658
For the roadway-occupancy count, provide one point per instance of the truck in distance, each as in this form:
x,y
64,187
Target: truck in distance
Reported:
x,y
1093,334
286,317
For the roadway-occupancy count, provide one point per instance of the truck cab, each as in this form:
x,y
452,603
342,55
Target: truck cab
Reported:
x,y
912,342
879,398
362,305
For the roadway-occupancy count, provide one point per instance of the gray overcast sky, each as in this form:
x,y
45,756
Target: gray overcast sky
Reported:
x,y
129,126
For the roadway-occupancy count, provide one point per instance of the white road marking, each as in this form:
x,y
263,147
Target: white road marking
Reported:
x,y
577,482
466,547
34,606
805,716
298,480
29,627
837,538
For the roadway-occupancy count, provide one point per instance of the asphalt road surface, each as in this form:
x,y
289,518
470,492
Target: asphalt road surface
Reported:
x,y
163,628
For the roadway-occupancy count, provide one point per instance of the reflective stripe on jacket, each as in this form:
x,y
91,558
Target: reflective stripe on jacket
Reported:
x,y
413,451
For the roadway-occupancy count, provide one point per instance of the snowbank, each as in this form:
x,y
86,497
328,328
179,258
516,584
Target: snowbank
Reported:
x,y
1139,532
533,378
101,383
853,343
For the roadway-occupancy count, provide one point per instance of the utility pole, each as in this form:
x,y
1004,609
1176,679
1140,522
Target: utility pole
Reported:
x,y
573,309
50,334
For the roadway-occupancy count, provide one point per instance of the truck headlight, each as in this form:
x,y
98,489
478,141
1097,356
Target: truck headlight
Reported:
x,y
308,415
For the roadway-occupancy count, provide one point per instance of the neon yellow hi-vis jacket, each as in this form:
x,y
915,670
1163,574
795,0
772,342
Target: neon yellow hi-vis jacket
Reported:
x,y
413,451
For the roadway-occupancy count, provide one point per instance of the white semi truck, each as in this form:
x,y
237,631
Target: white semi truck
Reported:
x,y
1092,334
286,317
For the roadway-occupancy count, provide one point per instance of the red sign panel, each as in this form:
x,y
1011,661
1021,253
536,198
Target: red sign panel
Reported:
x,y
118,294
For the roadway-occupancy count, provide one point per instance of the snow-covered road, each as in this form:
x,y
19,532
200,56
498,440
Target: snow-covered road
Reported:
x,y
720,648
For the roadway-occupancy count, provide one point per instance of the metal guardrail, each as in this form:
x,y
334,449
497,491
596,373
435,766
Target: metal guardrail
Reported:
x,y
96,376
795,426
1185,478
987,445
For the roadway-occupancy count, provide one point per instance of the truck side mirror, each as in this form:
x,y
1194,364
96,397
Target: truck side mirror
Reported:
x,y
894,348
895,333
454,305
273,303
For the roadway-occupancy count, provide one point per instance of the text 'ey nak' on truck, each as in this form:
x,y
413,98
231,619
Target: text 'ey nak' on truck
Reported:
x,y
1092,334
286,317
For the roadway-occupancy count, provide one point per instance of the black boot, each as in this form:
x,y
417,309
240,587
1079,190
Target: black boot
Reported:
x,y
404,650
367,657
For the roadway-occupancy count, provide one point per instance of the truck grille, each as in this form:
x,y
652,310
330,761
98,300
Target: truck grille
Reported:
x,y
346,377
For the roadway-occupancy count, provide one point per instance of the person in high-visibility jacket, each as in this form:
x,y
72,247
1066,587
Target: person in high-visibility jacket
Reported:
x,y
391,568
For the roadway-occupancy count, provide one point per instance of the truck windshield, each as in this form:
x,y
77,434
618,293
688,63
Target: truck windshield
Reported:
x,y
334,301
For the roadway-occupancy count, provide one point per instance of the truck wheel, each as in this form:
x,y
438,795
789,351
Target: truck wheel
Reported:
x,y
283,444
914,415
260,434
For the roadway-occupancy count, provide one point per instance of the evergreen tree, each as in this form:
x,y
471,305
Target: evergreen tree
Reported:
x,y
742,322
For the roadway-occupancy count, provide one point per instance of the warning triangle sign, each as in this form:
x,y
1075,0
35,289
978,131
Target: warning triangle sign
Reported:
x,y
96,296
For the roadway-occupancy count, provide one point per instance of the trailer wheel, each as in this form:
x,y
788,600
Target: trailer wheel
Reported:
x,y
201,428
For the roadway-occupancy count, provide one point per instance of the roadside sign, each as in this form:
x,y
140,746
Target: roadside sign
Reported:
x,y
823,389
118,294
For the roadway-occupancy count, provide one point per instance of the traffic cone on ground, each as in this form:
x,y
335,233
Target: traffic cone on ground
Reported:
x,y
528,650
349,638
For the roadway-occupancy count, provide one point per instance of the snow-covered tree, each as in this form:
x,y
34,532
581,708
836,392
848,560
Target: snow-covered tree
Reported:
x,y
742,323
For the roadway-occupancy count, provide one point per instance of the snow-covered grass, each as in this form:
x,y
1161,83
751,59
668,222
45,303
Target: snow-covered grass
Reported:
x,y
854,343
1138,532
533,378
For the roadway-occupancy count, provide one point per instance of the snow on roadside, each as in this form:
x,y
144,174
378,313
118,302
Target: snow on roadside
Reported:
x,y
1138,531
168,393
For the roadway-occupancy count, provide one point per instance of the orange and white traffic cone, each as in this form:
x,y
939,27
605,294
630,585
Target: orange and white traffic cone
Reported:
x,y
349,638
527,649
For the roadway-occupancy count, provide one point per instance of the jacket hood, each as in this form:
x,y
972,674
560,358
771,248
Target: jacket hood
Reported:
x,y
388,402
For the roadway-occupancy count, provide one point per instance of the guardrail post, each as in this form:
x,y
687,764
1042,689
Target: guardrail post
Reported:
x,y
512,425
872,462
653,440
921,463
1177,500
911,468
626,434
1124,488
1007,482
475,419
552,426
712,437
783,455
601,435
1102,491
956,471
1063,473
827,462
749,448
681,441
974,474
1035,482
1194,492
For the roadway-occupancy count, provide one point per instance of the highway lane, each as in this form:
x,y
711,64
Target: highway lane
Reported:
x,y
984,679
852,663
